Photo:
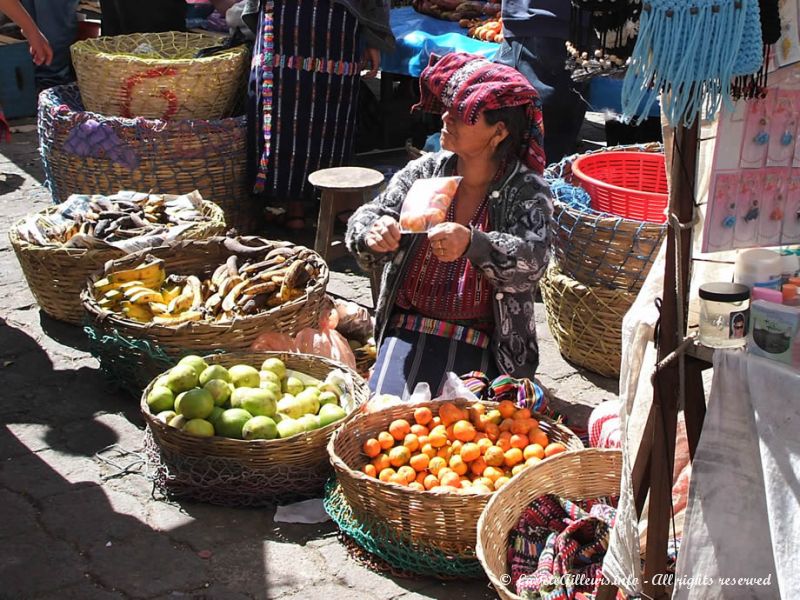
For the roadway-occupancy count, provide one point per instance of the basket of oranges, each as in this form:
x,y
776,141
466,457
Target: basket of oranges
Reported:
x,y
426,471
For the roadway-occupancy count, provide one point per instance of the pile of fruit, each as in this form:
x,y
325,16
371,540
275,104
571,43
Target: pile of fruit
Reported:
x,y
239,287
472,450
244,403
489,30
456,10
86,219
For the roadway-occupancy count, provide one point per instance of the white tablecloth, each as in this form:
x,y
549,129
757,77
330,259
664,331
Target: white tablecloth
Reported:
x,y
742,530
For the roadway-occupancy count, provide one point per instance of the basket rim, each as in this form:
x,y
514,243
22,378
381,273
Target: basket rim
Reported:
x,y
640,156
210,442
338,463
90,47
213,209
91,305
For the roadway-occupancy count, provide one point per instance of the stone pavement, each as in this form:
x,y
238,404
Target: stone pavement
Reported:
x,y
74,526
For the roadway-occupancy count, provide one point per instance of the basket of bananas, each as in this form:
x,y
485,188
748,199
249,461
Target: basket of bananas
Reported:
x,y
60,246
198,297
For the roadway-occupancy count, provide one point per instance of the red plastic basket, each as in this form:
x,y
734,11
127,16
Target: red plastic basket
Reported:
x,y
632,185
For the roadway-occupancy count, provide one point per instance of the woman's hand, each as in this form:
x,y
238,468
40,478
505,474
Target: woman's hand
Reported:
x,y
383,236
371,57
40,49
449,241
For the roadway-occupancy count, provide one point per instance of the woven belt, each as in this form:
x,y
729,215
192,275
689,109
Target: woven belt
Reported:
x,y
442,329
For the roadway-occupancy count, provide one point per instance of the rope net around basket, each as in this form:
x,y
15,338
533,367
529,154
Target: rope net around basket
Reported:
x,y
229,481
397,554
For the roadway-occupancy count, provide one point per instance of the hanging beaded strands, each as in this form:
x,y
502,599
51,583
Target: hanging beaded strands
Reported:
x,y
754,85
691,50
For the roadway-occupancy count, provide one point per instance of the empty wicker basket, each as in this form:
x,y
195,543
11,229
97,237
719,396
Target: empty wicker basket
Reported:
x,y
581,475
586,321
156,76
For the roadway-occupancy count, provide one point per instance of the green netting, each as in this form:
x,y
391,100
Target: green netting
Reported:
x,y
399,554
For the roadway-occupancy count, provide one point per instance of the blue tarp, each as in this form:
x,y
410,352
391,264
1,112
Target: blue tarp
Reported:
x,y
418,36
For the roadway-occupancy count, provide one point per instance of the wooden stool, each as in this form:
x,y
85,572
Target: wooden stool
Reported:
x,y
342,188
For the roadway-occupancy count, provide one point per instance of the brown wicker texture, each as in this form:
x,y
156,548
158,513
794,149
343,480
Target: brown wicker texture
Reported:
x,y
201,258
57,275
237,472
89,153
442,521
586,321
581,475
156,76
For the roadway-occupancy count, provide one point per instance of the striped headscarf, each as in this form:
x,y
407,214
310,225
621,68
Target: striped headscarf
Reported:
x,y
467,85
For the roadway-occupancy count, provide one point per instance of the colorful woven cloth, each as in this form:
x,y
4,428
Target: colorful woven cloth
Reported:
x,y
522,392
604,426
467,85
556,550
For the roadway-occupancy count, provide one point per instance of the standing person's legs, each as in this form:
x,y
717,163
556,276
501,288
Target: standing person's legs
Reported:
x,y
541,60
58,21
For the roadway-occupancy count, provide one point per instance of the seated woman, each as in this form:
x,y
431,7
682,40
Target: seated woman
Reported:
x,y
461,298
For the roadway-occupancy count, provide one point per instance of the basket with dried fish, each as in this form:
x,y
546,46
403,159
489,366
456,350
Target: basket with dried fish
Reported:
x,y
59,247
200,297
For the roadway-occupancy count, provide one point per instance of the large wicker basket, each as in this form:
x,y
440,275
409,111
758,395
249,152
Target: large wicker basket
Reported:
x,y
441,521
581,475
597,248
57,275
191,258
233,472
586,321
156,76
85,152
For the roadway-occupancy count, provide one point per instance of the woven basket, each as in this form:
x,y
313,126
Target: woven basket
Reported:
x,y
85,152
439,521
57,275
581,475
586,321
600,248
232,472
196,258
155,75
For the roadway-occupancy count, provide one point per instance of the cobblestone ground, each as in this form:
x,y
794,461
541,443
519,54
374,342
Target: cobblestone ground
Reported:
x,y
73,527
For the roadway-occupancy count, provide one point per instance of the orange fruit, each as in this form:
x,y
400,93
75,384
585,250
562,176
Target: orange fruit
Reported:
x,y
477,466
464,431
411,442
492,474
519,441
451,480
407,472
445,452
534,423
385,474
513,456
423,439
419,430
506,425
476,411
458,465
465,483
456,447
450,435
429,450
437,420
399,456
495,416
371,447
533,451
532,461
449,413
554,448
431,481
416,485
494,456
444,471
437,439
485,481
517,469
398,479
537,436
399,429
492,431
500,482
385,439
421,477
521,426
420,462
479,436
522,413
479,488
470,451
423,415
484,444
436,464
507,409
370,470
381,462
504,443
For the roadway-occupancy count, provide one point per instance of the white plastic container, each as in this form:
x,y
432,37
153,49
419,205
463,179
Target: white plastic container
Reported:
x,y
758,267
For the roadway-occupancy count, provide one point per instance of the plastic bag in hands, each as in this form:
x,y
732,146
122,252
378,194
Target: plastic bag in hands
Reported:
x,y
326,341
427,202
455,389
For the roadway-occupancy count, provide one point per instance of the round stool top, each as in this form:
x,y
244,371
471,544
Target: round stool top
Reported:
x,y
346,179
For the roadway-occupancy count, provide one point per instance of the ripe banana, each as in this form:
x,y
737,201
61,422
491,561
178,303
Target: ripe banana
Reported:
x,y
147,273
185,317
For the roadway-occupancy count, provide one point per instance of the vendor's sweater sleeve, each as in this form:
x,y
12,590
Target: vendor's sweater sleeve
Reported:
x,y
514,257
387,203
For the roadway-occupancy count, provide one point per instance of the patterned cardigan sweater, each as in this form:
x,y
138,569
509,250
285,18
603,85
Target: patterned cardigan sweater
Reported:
x,y
513,255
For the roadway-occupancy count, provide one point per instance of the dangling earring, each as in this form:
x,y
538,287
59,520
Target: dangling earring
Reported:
x,y
730,219
752,214
776,214
762,137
